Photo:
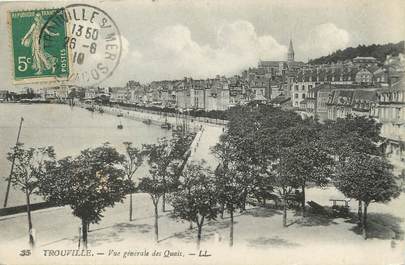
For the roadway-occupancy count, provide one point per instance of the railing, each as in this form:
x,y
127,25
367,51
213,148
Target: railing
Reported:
x,y
23,208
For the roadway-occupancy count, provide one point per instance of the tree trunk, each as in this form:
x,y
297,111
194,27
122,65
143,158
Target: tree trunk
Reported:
x,y
231,230
365,220
284,211
244,198
164,202
30,232
222,209
199,226
130,207
303,200
360,213
84,231
156,222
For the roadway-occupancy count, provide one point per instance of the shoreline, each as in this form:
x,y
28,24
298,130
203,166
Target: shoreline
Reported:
x,y
155,118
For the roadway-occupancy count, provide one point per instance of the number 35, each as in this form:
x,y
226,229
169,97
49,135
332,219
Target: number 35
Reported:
x,y
25,252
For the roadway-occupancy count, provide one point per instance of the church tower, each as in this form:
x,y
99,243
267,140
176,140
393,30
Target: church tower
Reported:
x,y
290,55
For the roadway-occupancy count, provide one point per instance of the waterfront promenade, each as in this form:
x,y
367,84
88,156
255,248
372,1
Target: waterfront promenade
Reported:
x,y
157,118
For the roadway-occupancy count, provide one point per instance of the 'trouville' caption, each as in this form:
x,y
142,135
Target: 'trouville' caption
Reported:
x,y
118,253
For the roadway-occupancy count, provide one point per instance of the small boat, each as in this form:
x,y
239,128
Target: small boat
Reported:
x,y
119,126
166,125
90,109
120,115
147,121
100,110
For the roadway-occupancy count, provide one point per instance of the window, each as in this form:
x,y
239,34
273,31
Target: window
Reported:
x,y
303,96
310,87
296,87
303,87
296,95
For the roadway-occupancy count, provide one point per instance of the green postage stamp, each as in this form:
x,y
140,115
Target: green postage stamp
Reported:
x,y
39,46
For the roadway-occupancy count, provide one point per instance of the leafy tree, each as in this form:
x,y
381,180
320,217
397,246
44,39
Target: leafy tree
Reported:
x,y
230,191
134,160
29,167
285,184
356,134
352,135
195,200
307,162
163,175
367,179
89,183
163,159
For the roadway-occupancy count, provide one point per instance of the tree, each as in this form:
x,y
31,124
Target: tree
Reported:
x,y
29,167
353,134
134,160
89,183
285,184
367,179
159,159
163,175
307,162
195,200
230,191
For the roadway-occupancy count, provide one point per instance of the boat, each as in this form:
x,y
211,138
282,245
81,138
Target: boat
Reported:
x,y
147,121
100,110
119,126
120,115
166,125
90,109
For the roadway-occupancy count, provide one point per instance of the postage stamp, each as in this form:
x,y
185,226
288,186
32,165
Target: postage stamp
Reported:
x,y
78,44
34,60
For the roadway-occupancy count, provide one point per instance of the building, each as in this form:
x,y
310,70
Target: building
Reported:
x,y
365,76
355,102
119,94
317,100
364,61
391,113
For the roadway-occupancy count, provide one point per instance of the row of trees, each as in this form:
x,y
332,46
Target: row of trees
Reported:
x,y
269,153
97,178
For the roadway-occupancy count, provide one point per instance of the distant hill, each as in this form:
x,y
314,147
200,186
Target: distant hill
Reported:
x,y
375,50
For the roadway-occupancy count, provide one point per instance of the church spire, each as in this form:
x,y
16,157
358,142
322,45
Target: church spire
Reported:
x,y
290,55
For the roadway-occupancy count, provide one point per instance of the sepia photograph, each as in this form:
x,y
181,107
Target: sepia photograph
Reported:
x,y
246,132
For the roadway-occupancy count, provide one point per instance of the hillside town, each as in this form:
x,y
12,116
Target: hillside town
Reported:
x,y
361,86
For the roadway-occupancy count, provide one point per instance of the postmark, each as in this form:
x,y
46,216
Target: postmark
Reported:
x,y
33,60
93,40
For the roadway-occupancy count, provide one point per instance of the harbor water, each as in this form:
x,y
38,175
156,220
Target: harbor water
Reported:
x,y
68,130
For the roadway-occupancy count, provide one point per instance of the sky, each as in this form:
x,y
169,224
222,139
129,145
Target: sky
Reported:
x,y
165,39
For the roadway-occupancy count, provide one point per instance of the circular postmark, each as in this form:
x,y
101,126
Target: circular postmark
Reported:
x,y
93,42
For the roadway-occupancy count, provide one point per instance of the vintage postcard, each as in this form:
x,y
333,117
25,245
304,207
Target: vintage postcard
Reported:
x,y
202,132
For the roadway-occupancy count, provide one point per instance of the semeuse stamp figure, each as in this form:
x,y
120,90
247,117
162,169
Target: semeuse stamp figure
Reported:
x,y
41,60
34,60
